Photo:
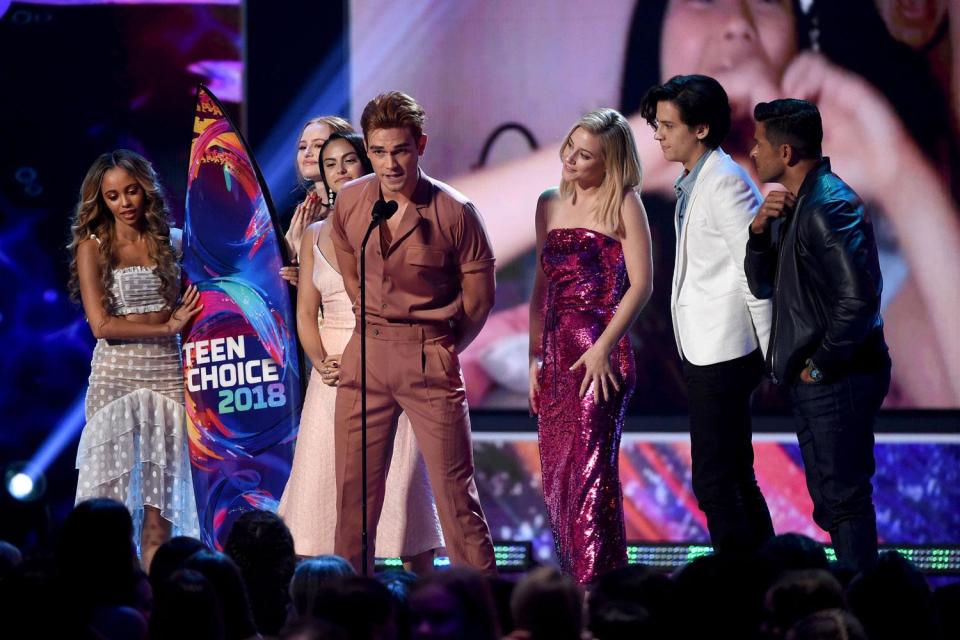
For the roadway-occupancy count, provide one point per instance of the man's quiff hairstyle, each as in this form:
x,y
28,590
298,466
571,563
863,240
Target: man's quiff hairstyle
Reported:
x,y
699,99
393,110
793,122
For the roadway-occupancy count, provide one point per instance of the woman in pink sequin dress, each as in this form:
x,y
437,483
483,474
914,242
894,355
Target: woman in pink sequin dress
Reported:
x,y
594,275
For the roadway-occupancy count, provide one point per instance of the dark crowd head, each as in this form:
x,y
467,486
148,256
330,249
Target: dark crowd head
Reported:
x,y
227,583
548,606
893,600
501,589
362,607
797,594
171,556
143,594
400,584
186,608
700,101
95,556
28,592
9,557
790,552
792,122
946,602
829,624
722,587
631,602
262,547
312,629
310,576
455,605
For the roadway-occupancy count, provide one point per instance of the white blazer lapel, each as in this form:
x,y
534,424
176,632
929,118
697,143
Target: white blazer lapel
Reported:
x,y
680,263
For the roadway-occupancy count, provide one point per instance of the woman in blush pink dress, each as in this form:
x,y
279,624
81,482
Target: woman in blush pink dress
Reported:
x,y
409,527
595,273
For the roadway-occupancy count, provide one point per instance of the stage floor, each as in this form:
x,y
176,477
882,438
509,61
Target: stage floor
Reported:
x,y
916,487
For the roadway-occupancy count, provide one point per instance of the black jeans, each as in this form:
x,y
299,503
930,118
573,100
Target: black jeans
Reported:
x,y
835,429
722,451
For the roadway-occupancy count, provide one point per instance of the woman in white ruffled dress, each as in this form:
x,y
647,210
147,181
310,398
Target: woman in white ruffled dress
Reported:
x,y
124,270
409,527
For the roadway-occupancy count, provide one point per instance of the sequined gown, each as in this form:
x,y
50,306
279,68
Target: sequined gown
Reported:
x,y
134,447
580,439
408,522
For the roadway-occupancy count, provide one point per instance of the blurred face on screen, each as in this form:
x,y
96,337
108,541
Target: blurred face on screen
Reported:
x,y
395,156
912,22
741,43
308,150
583,159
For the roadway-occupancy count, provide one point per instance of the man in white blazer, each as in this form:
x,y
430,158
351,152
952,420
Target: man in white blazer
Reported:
x,y
721,329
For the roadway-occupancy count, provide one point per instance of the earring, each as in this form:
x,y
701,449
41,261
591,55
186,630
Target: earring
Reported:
x,y
330,196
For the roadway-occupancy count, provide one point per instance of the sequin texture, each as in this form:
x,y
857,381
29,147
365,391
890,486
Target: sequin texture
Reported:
x,y
580,438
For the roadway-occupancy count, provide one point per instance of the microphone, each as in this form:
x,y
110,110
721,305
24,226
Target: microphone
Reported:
x,y
383,210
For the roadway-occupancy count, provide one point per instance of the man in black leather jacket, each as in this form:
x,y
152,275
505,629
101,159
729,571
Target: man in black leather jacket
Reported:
x,y
826,341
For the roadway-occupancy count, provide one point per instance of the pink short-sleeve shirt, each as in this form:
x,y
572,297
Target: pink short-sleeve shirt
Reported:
x,y
440,238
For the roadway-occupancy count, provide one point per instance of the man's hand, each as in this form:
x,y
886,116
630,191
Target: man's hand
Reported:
x,y
775,205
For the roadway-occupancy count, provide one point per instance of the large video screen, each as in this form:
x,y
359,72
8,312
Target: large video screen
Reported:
x,y
502,82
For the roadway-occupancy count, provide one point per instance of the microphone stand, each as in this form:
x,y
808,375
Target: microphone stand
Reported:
x,y
381,211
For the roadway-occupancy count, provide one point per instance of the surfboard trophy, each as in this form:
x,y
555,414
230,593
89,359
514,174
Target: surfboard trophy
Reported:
x,y
241,361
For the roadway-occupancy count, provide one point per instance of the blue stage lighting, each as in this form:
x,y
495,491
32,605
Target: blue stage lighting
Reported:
x,y
62,435
20,485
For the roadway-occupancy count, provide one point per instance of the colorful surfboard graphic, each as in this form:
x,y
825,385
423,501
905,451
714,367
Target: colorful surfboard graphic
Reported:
x,y
241,362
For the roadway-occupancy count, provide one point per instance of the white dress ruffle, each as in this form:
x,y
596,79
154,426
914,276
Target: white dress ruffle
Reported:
x,y
134,446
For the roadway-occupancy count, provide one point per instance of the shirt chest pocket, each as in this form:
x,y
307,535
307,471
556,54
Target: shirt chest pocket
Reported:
x,y
428,264
426,257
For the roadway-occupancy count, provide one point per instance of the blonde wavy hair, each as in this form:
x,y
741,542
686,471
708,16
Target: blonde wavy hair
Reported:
x,y
337,125
621,164
93,218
